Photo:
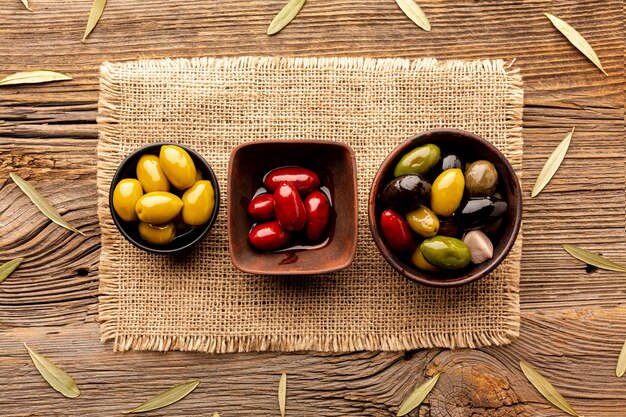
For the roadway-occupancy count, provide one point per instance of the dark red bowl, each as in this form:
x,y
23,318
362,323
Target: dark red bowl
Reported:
x,y
335,163
480,149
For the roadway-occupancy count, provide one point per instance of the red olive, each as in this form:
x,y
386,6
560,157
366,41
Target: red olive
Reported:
x,y
268,236
289,208
303,179
317,210
261,207
396,232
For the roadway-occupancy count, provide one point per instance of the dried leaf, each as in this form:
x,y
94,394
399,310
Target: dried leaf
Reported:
x,y
34,77
282,394
415,13
546,389
42,204
26,5
593,259
552,164
216,414
416,397
621,362
55,376
576,39
285,16
166,398
7,269
97,8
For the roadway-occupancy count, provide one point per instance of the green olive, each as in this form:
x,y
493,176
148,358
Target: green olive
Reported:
x,y
151,175
481,179
446,252
423,222
158,207
447,192
160,234
198,203
421,263
125,197
418,161
178,166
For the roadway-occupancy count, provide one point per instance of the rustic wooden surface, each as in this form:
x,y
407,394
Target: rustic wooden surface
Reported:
x,y
573,323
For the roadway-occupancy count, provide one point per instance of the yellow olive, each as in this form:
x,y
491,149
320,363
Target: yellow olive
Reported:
x,y
198,203
447,192
178,166
423,222
125,197
160,234
421,263
158,207
151,175
198,176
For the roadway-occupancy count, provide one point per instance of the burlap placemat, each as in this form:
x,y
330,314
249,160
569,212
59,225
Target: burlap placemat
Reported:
x,y
200,301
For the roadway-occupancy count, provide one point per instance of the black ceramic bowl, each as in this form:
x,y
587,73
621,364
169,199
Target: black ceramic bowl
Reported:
x,y
476,148
129,230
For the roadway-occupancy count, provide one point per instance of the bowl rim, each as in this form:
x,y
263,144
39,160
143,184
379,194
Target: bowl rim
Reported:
x,y
429,279
206,228
230,197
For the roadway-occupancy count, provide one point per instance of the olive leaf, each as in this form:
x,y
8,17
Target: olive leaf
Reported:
x,y
55,376
166,398
576,39
282,394
34,77
417,396
216,414
621,362
7,268
26,5
546,389
552,164
593,259
415,13
42,204
97,8
285,16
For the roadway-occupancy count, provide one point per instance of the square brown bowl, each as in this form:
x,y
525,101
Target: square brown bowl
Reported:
x,y
335,163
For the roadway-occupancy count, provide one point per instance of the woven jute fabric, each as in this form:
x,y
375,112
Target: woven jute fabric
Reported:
x,y
198,301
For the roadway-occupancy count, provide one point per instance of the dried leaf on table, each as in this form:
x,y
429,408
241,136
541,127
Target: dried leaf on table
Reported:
x,y
546,389
7,268
166,398
26,5
576,39
55,376
621,362
552,164
593,259
285,16
282,394
417,397
34,77
415,13
97,8
42,204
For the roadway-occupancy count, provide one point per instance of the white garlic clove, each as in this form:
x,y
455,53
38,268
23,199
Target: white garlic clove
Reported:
x,y
479,245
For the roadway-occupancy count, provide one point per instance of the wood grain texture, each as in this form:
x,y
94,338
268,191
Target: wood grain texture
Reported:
x,y
573,323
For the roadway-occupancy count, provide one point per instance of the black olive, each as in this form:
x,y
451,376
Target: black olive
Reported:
x,y
405,193
480,212
448,160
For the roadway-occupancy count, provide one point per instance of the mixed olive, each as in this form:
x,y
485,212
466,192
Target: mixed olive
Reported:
x,y
289,207
168,196
441,209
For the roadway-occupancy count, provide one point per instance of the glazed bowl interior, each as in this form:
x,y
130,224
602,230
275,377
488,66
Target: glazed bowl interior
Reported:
x,y
335,163
130,231
473,148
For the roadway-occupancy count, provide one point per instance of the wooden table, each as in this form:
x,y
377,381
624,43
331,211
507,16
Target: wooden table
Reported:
x,y
573,322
